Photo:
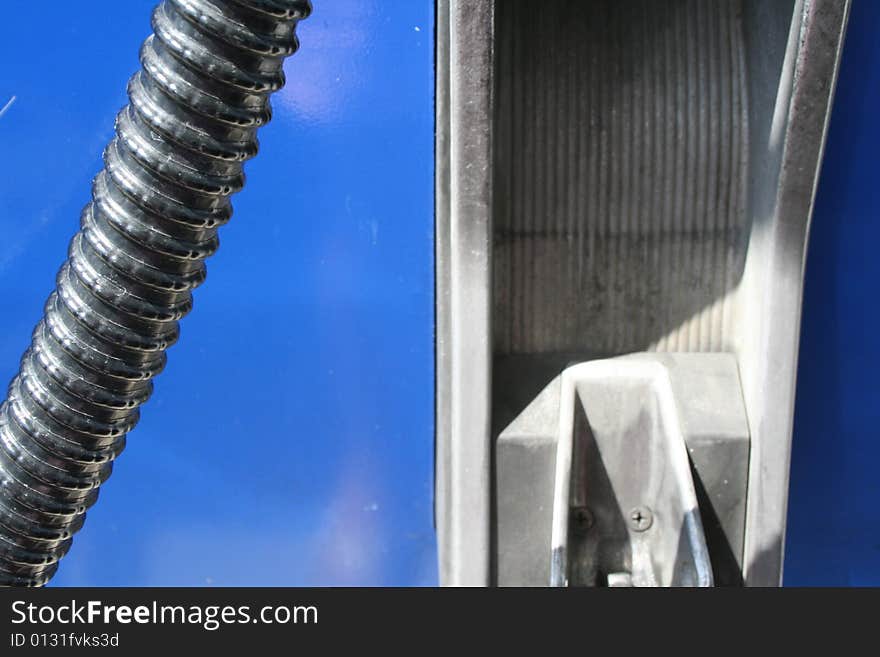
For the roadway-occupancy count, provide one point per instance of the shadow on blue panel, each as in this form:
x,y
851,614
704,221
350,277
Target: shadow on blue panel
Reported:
x,y
833,537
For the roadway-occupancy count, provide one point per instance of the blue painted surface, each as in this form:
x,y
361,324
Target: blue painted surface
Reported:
x,y
833,528
290,439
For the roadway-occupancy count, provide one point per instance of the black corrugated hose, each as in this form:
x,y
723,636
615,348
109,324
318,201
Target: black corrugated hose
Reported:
x,y
176,158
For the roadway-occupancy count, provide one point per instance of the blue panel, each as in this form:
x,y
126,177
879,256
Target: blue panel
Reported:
x,y
833,532
290,439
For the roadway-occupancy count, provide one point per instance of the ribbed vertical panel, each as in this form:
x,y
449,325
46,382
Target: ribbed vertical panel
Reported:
x,y
620,158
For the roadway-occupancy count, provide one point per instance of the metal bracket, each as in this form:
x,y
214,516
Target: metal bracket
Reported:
x,y
594,481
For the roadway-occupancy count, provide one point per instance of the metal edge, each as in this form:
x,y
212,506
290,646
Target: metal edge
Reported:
x,y
463,288
770,405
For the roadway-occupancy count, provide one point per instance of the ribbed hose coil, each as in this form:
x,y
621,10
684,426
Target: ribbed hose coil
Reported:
x,y
176,158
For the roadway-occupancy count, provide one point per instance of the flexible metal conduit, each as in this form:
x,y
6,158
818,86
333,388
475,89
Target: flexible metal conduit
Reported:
x,y
195,106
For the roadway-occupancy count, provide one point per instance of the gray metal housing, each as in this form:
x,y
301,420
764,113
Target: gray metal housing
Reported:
x,y
618,177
